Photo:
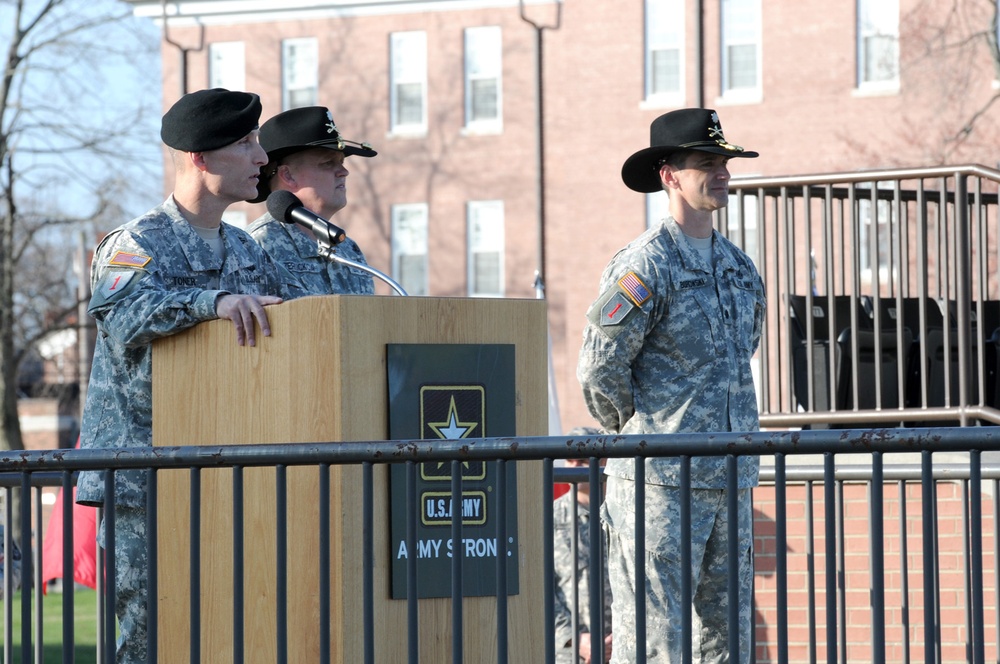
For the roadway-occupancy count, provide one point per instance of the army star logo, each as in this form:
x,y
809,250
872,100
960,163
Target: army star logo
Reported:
x,y
452,412
452,429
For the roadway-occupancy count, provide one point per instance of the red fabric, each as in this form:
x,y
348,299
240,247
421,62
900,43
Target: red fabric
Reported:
x,y
559,489
84,543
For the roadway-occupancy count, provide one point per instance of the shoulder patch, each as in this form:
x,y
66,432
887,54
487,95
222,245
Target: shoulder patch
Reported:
x,y
113,284
614,310
612,313
129,260
632,285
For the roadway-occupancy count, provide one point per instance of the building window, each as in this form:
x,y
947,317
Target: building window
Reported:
x,y
877,227
483,60
664,49
486,248
237,218
227,66
741,225
878,42
409,247
657,208
408,82
740,46
299,72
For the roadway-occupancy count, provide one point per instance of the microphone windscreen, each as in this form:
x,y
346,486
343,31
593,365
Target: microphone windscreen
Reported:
x,y
280,203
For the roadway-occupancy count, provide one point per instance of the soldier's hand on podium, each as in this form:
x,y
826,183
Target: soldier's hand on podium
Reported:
x,y
242,310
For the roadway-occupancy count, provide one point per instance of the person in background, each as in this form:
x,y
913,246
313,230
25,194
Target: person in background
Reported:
x,y
174,267
306,156
573,571
666,349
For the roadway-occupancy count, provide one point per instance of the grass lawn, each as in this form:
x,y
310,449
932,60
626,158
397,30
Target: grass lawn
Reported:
x,y
84,626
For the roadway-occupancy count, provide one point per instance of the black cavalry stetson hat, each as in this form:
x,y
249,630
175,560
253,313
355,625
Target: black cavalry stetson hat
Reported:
x,y
301,129
684,129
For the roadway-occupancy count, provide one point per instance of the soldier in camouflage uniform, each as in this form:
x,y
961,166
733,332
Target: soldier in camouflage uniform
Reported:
x,y
306,155
570,571
667,348
168,270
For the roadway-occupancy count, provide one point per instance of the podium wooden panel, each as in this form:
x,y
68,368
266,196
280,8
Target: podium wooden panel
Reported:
x,y
321,376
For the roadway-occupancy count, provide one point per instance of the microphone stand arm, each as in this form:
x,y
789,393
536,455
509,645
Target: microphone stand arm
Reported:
x,y
326,251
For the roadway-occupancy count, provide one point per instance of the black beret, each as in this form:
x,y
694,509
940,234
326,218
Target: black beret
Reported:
x,y
210,119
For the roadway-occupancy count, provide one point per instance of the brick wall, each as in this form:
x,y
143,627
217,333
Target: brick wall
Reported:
x,y
856,577
48,423
810,117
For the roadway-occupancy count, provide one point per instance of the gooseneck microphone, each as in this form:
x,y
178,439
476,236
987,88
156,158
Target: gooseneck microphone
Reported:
x,y
286,206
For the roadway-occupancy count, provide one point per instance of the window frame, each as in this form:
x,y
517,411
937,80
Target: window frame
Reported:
x,y
408,39
473,208
495,123
290,71
397,238
657,207
227,65
726,42
865,32
672,97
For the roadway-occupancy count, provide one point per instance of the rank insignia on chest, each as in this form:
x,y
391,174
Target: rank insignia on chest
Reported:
x,y
632,285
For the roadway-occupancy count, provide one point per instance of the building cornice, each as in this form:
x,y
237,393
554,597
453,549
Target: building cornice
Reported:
x,y
216,12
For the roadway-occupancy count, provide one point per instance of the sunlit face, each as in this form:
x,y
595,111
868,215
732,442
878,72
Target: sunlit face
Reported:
x,y
319,178
703,181
232,171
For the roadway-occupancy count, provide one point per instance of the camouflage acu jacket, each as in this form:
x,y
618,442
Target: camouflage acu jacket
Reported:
x,y
568,569
667,349
151,278
290,246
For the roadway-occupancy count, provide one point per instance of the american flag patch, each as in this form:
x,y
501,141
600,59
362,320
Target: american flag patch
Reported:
x,y
634,287
130,260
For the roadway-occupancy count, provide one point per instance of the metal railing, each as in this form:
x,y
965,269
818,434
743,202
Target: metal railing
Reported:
x,y
909,607
883,302
883,294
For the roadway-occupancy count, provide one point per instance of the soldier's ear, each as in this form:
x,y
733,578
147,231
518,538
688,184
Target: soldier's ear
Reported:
x,y
285,175
197,159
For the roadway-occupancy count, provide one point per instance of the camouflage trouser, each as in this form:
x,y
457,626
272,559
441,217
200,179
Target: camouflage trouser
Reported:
x,y
709,572
131,594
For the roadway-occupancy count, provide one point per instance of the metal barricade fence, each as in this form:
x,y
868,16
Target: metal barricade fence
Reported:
x,y
829,599
882,293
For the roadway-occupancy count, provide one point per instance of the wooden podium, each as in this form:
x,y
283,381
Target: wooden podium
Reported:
x,y
321,376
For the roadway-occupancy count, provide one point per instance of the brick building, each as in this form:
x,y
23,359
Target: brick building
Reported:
x,y
445,90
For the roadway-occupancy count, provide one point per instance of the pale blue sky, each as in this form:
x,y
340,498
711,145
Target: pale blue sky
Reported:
x,y
103,81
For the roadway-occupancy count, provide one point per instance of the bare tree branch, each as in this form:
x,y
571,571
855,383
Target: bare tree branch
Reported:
x,y
58,154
